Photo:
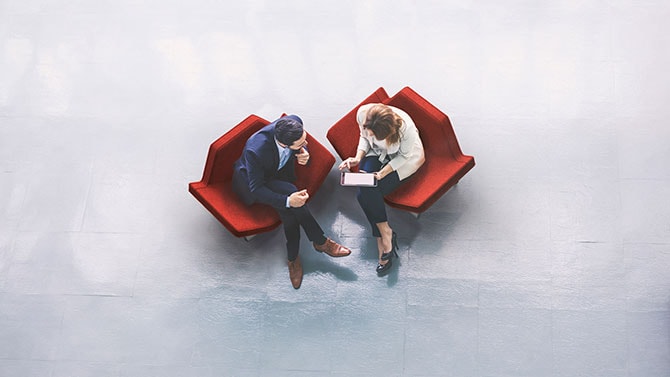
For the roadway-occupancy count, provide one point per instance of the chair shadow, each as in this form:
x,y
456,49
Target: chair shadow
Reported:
x,y
224,246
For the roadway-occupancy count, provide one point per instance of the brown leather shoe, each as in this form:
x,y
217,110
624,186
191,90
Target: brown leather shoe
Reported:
x,y
295,272
332,248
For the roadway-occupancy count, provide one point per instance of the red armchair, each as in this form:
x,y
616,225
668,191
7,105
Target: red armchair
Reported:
x,y
214,191
445,163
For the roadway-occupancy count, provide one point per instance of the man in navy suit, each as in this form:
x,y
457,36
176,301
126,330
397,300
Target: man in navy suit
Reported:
x,y
265,174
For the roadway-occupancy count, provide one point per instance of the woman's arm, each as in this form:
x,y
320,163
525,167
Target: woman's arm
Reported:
x,y
408,141
386,170
410,155
352,161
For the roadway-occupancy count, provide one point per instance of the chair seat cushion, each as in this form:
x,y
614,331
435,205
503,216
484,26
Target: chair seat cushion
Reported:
x,y
428,184
240,219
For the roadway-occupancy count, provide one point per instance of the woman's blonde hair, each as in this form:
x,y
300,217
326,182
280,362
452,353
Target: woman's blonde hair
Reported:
x,y
384,123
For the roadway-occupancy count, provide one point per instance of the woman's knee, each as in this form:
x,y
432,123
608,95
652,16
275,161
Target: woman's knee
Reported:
x,y
370,164
364,194
370,198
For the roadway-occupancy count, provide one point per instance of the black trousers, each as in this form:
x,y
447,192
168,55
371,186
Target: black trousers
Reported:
x,y
371,199
295,218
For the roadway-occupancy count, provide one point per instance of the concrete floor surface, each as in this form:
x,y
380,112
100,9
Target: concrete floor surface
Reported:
x,y
550,258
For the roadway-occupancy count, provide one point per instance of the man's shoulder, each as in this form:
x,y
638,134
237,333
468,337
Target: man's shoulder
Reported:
x,y
267,132
262,139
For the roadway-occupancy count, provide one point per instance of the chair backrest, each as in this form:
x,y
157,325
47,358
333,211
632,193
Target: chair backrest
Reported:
x,y
436,131
312,175
228,148
344,134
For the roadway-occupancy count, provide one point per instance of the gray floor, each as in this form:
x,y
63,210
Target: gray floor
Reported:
x,y
550,258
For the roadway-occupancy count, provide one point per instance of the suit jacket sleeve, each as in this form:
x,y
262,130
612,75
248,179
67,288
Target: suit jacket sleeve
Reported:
x,y
256,167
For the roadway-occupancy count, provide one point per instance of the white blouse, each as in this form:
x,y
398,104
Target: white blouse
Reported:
x,y
406,156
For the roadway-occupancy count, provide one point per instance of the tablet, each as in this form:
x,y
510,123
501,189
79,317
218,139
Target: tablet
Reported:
x,y
358,179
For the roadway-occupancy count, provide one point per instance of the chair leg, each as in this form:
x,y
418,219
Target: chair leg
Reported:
x,y
248,238
415,214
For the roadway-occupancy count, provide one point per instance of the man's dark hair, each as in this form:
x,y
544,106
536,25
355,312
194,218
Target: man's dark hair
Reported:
x,y
288,130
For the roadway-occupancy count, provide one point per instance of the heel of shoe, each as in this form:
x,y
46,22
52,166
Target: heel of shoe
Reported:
x,y
394,248
383,269
387,256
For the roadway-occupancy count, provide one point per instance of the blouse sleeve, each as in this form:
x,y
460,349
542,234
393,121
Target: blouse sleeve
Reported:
x,y
408,140
410,155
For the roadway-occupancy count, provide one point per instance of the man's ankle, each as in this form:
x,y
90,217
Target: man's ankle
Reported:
x,y
322,241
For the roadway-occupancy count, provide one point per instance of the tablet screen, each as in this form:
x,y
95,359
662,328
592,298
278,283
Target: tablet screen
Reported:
x,y
358,179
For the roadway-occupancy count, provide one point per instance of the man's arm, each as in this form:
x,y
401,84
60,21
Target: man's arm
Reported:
x,y
257,183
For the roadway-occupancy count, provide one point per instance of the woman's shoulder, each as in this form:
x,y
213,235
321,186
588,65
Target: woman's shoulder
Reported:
x,y
407,120
362,112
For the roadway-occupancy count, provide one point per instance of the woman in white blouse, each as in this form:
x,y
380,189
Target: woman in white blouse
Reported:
x,y
390,147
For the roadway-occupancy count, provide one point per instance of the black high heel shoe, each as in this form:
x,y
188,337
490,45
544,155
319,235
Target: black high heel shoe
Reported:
x,y
382,269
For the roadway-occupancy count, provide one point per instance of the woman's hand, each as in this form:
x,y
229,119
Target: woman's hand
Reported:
x,y
386,170
348,163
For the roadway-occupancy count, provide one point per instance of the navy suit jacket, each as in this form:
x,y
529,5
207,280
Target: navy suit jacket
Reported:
x,y
258,165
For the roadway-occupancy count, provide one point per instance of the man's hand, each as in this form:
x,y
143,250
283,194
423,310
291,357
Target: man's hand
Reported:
x,y
298,198
303,156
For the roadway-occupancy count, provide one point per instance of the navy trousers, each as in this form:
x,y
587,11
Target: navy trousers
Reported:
x,y
371,199
292,218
